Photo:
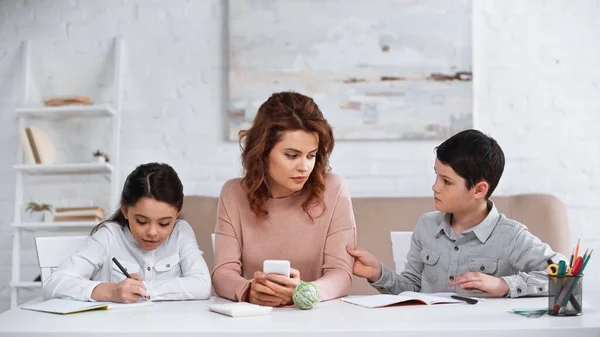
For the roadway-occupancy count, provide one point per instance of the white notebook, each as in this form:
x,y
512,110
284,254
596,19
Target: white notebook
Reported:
x,y
65,306
407,297
240,309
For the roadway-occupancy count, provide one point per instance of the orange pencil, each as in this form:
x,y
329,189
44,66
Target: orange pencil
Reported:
x,y
577,249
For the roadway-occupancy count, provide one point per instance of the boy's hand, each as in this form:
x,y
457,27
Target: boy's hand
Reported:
x,y
365,264
492,285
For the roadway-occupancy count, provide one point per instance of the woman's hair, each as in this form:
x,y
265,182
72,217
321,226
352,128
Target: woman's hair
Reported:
x,y
284,111
153,180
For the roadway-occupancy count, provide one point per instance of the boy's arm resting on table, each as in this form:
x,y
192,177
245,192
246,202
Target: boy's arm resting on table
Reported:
x,y
195,280
528,256
72,279
410,278
337,264
227,276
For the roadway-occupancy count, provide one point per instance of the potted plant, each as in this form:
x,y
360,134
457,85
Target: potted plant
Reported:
x,y
39,212
101,157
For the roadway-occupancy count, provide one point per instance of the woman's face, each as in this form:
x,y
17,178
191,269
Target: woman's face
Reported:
x,y
150,222
291,162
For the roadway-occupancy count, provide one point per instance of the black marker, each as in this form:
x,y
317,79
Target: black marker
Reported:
x,y
466,299
123,270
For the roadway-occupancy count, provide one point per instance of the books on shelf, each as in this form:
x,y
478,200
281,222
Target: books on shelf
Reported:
x,y
91,213
77,219
37,146
28,157
71,100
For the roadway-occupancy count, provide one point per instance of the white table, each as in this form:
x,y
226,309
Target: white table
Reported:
x,y
334,318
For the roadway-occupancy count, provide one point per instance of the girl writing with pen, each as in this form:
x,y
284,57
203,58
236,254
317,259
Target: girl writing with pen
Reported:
x,y
142,251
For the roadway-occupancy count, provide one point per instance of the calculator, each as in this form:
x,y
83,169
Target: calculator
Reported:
x,y
240,309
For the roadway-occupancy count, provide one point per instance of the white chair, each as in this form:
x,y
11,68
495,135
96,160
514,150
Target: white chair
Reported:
x,y
53,250
400,248
212,236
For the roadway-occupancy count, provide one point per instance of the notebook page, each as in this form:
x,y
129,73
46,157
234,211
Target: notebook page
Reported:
x,y
114,306
63,306
431,298
372,301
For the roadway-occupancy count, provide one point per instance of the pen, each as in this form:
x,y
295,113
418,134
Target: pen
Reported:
x,y
562,268
571,261
466,299
585,263
559,303
577,266
123,270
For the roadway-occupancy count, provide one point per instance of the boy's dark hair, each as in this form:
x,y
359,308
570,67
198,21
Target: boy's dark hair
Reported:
x,y
474,156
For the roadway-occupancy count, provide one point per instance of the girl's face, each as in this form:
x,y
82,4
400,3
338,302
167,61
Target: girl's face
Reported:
x,y
291,162
150,221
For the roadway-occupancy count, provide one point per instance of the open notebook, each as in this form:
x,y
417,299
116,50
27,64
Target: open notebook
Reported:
x,y
407,297
64,306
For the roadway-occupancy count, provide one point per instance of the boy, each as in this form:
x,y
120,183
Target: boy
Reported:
x,y
467,246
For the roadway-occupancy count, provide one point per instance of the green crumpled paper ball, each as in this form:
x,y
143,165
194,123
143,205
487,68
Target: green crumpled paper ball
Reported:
x,y
306,296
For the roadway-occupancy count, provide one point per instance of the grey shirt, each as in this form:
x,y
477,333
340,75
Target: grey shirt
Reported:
x,y
498,246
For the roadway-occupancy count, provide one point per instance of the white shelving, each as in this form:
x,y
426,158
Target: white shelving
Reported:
x,y
26,284
69,168
52,225
101,110
28,111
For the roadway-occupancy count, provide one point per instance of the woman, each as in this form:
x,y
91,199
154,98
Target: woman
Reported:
x,y
286,207
158,251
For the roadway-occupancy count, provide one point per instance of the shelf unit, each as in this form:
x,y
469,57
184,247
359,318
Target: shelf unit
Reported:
x,y
101,110
56,114
54,225
68,168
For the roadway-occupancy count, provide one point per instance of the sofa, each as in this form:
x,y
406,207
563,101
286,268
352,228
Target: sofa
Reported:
x,y
544,215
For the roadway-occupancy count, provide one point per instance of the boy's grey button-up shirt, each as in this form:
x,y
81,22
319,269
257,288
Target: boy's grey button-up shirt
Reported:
x,y
498,246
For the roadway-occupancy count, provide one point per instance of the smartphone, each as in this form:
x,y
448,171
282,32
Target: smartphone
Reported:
x,y
281,267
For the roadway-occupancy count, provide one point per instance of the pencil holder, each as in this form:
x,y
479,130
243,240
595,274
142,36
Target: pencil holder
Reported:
x,y
565,295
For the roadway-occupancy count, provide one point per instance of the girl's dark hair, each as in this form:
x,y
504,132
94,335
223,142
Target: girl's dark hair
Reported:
x,y
153,180
283,111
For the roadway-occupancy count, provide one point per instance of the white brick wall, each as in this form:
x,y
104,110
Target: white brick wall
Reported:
x,y
536,65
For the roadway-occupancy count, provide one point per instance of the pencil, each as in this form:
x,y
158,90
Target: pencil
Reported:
x,y
585,262
571,261
557,307
577,249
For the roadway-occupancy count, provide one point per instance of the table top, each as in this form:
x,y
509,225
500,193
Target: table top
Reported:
x,y
333,318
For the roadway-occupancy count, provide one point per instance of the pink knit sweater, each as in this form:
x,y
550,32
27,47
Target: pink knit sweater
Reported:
x,y
316,248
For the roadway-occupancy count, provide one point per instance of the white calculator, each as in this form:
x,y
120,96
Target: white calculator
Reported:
x,y
239,309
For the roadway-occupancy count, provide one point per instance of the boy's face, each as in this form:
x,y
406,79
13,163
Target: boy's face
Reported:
x,y
450,190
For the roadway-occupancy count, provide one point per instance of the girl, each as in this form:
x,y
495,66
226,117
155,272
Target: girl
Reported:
x,y
286,207
159,251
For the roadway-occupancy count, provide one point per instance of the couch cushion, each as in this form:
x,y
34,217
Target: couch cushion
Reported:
x,y
201,213
544,215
